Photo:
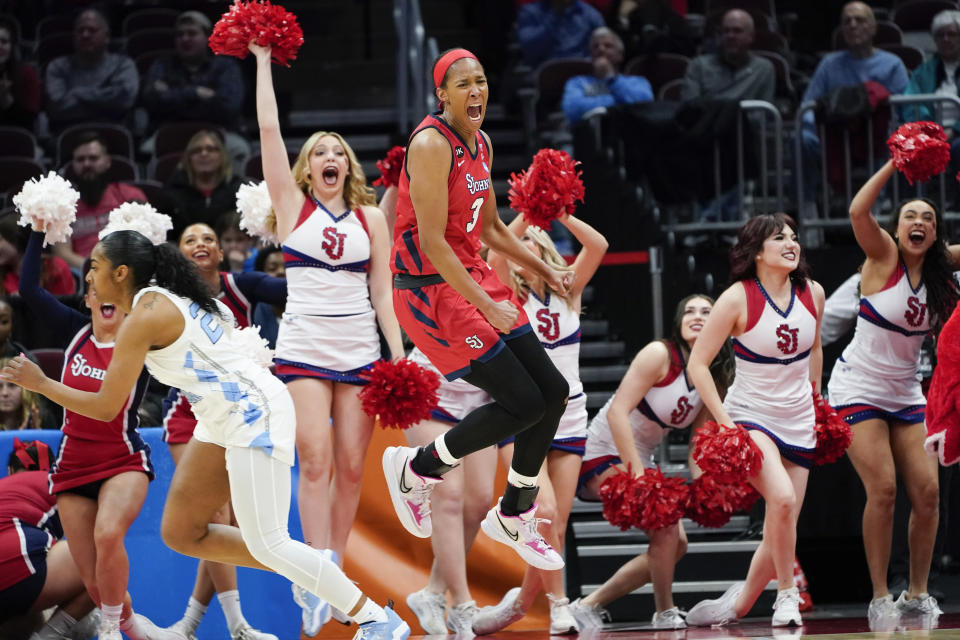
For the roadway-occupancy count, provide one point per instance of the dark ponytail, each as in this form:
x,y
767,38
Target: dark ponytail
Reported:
x,y
162,263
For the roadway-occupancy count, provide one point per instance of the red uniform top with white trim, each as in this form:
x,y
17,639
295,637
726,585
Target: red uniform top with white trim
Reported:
x,y
28,518
468,186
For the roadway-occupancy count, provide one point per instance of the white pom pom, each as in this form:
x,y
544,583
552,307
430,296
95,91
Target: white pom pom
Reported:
x,y
139,217
253,203
249,341
50,203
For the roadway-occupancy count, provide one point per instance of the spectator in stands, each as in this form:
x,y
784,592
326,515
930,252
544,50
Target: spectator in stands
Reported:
x,y
38,572
607,86
550,29
651,27
19,408
239,253
87,170
56,276
733,72
194,84
267,316
91,84
858,63
938,74
204,186
9,348
20,90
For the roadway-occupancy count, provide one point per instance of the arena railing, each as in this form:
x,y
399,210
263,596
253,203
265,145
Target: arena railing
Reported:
x,y
818,215
765,116
415,52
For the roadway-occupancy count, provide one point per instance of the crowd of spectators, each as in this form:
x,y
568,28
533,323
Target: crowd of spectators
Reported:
x,y
732,53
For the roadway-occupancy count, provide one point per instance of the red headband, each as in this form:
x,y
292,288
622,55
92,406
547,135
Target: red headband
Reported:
x,y
443,64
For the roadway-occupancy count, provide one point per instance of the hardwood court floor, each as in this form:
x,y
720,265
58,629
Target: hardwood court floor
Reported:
x,y
828,624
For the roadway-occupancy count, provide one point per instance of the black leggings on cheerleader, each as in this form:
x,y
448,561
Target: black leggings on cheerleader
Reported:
x,y
529,397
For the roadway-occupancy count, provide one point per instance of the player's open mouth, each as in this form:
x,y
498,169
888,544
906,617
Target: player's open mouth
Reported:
x,y
330,175
475,111
107,311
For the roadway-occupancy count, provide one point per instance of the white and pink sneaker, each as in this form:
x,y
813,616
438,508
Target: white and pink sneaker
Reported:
x,y
521,534
409,491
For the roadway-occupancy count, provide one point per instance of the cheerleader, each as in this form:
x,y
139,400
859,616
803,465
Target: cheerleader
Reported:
x,y
655,396
906,290
103,469
36,569
556,319
772,311
459,504
337,251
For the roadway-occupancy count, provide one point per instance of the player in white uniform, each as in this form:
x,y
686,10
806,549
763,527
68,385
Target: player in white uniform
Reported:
x,y
875,385
773,312
556,319
459,504
336,248
243,445
654,396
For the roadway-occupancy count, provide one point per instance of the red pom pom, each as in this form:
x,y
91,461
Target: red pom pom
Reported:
x,y
651,501
390,167
620,500
548,189
712,503
919,150
729,454
664,501
401,393
266,24
833,434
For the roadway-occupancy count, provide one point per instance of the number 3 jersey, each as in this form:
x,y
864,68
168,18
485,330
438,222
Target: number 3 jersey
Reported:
x,y
237,401
468,186
672,403
771,390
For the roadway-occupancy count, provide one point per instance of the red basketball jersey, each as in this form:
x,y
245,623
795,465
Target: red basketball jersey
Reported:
x,y
468,186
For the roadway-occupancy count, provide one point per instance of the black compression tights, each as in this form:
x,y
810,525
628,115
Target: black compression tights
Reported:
x,y
529,397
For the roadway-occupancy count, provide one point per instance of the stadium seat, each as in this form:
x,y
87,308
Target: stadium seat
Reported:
x,y
50,360
17,141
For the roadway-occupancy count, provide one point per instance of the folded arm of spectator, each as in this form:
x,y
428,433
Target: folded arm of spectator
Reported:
x,y
117,91
260,287
165,94
580,94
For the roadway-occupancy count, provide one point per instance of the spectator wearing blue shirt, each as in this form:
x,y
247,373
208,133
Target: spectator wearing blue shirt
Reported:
x,y
551,29
607,86
858,63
